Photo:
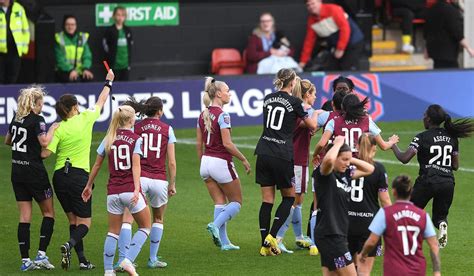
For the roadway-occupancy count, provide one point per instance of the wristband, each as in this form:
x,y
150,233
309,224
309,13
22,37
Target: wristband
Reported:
x,y
108,83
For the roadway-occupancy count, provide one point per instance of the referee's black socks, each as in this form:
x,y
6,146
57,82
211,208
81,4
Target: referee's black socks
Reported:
x,y
46,233
76,237
264,218
24,239
281,214
79,247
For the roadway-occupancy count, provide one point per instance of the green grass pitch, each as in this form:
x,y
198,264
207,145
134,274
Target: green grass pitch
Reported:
x,y
186,245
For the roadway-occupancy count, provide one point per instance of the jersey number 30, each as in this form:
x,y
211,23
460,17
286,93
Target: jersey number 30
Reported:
x,y
22,133
275,117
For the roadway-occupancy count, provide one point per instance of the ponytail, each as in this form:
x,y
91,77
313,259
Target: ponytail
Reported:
x,y
27,100
149,107
302,88
461,128
366,144
211,87
297,91
283,78
353,108
120,118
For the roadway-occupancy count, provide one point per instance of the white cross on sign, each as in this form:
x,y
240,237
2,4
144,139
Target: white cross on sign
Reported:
x,y
106,14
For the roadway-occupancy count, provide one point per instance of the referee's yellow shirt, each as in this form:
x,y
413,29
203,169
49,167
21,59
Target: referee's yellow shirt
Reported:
x,y
73,140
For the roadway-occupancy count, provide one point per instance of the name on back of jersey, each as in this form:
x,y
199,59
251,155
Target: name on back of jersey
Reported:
x,y
280,100
406,214
442,138
151,126
125,138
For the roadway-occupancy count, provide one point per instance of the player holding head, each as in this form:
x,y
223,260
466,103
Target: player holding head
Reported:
x,y
305,91
353,122
158,151
275,167
364,204
71,143
333,190
404,227
217,169
437,151
27,135
123,149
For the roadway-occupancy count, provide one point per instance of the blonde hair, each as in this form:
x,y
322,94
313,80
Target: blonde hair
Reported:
x,y
283,78
366,144
211,87
27,100
120,118
302,88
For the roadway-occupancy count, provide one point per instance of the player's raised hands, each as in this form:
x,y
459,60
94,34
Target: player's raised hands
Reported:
x,y
339,140
110,75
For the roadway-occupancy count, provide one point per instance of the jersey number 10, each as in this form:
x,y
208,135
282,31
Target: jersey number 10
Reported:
x,y
352,135
272,117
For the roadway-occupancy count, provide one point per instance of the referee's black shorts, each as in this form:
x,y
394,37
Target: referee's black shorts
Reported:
x,y
272,171
68,188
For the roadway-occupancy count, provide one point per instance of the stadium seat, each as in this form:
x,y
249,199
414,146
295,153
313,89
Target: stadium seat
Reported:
x,y
388,17
227,61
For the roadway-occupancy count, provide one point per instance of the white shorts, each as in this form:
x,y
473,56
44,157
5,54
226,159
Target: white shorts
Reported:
x,y
117,203
156,190
221,170
301,179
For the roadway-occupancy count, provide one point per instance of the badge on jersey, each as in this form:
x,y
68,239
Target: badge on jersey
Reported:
x,y
227,119
42,126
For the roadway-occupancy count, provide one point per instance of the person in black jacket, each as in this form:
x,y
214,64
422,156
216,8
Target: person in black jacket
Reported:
x,y
117,44
444,35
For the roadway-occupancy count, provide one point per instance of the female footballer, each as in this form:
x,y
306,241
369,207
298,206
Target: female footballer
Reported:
x,y
215,149
123,149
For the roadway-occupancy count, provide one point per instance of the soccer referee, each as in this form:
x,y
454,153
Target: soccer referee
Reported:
x,y
71,143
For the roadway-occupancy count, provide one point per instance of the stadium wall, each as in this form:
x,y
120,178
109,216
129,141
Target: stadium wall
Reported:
x,y
393,96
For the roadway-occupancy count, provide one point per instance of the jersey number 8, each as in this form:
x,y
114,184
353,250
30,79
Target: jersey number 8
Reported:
x,y
122,160
148,144
271,117
18,146
357,191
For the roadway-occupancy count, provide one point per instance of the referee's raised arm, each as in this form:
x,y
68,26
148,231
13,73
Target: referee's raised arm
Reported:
x,y
106,90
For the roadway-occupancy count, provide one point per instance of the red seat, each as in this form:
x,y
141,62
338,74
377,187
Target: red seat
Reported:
x,y
226,61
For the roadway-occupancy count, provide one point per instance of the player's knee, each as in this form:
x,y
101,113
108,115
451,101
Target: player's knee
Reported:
x,y
25,218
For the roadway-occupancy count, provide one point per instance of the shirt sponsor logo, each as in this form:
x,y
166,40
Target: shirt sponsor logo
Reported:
x,y
20,162
343,186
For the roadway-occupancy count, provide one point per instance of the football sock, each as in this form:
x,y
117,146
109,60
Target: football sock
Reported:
x,y
308,227
281,214
24,239
229,211
46,232
78,234
406,39
137,242
79,247
286,225
313,223
124,241
264,218
109,250
297,221
155,238
223,229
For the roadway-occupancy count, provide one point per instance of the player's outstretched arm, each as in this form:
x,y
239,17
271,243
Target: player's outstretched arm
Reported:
x,y
311,122
87,192
369,245
232,149
104,95
170,156
385,145
363,168
44,140
405,156
434,253
320,146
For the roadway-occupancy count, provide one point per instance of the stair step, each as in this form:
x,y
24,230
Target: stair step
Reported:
x,y
392,60
384,47
401,57
399,68
376,34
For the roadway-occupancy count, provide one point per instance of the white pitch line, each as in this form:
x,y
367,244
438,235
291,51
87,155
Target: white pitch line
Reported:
x,y
190,141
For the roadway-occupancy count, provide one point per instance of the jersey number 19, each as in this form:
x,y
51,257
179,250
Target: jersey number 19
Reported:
x,y
122,160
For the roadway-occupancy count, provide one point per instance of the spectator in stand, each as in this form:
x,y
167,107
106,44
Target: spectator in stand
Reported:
x,y
14,39
408,10
118,43
342,34
444,35
264,42
73,55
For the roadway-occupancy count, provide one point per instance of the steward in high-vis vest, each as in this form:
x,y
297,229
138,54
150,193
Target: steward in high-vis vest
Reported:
x,y
73,55
14,39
